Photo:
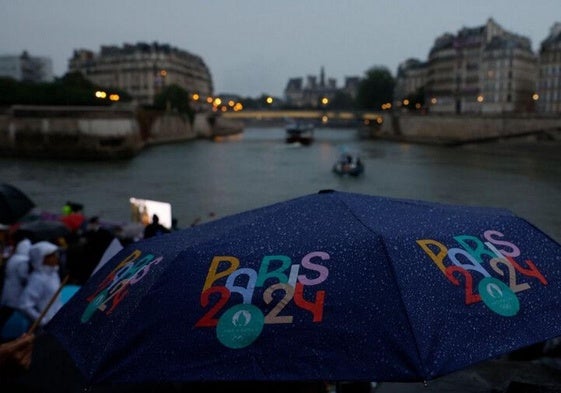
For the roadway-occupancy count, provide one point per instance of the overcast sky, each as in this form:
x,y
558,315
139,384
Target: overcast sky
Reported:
x,y
254,46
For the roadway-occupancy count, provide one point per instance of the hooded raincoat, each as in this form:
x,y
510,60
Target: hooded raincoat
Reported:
x,y
16,275
43,284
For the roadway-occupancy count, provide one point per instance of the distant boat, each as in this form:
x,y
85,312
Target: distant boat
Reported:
x,y
348,165
300,133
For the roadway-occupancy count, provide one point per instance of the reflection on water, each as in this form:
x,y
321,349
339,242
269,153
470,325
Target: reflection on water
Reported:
x,y
204,179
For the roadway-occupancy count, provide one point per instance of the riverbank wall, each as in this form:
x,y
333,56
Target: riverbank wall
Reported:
x,y
462,129
100,132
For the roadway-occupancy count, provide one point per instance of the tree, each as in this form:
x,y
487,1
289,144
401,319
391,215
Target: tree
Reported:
x,y
417,100
175,98
71,89
376,88
77,80
342,101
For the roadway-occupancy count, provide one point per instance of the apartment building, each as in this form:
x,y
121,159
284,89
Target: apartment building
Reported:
x,y
484,69
27,68
549,76
508,77
143,70
411,79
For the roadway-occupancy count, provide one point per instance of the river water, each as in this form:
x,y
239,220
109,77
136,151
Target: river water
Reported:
x,y
204,180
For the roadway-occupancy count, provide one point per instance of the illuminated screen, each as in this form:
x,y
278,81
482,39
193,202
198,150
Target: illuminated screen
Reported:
x,y
142,211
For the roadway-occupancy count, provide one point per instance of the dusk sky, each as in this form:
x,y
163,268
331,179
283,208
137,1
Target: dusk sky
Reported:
x,y
254,46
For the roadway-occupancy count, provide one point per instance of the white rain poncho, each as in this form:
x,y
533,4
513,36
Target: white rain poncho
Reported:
x,y
16,275
43,283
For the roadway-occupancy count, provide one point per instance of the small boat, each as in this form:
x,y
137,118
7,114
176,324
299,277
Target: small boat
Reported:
x,y
300,133
348,165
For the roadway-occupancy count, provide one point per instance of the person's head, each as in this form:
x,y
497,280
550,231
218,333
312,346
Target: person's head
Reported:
x,y
23,246
93,223
155,219
43,253
66,209
20,241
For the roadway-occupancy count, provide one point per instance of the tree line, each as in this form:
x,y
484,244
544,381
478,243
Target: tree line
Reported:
x,y
71,89
376,88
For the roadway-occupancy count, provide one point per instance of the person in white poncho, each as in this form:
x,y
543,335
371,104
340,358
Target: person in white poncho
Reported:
x,y
16,275
43,283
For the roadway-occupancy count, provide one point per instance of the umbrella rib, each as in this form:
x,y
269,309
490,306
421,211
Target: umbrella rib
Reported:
x,y
417,350
394,275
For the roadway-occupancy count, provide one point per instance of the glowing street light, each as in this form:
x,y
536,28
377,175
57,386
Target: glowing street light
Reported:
x,y
100,94
480,98
114,97
535,96
269,100
196,97
325,101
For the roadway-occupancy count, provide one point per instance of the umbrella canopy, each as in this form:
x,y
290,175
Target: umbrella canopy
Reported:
x,y
44,230
329,286
14,204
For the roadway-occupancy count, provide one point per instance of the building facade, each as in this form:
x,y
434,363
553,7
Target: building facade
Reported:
x,y
410,81
26,68
485,69
144,70
508,77
298,94
549,77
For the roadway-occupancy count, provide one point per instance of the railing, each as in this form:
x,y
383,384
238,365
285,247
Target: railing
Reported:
x,y
301,114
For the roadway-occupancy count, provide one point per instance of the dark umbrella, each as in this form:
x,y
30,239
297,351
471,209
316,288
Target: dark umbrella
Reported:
x,y
44,230
331,286
14,204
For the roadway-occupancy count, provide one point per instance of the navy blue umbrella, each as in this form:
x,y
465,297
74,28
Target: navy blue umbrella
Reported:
x,y
14,204
331,286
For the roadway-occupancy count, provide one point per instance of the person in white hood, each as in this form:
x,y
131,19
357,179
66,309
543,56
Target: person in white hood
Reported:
x,y
16,274
43,283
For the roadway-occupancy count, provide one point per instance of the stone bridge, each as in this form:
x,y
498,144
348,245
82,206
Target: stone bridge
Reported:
x,y
418,128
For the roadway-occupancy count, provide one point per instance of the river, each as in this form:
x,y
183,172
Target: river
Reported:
x,y
204,180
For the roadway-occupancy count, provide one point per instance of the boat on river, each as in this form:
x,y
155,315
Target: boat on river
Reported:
x,y
302,133
349,165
